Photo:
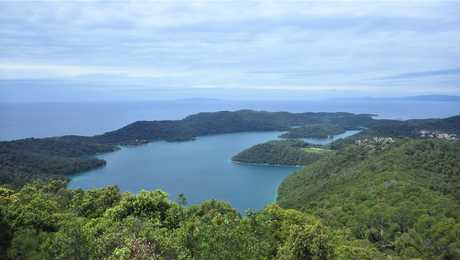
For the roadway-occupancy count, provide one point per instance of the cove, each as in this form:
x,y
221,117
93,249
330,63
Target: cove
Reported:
x,y
201,169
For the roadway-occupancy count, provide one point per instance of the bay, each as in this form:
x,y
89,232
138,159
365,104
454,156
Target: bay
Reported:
x,y
201,169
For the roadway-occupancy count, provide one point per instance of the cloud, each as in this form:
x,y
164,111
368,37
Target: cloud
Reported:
x,y
424,74
37,71
241,44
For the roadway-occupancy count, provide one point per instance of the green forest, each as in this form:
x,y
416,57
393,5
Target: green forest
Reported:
x,y
314,131
41,158
403,197
375,199
48,221
281,152
30,159
385,193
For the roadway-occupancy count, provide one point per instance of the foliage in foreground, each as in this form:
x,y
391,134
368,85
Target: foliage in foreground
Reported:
x,y
48,221
404,197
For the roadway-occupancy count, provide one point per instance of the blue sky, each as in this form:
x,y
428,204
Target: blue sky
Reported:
x,y
144,49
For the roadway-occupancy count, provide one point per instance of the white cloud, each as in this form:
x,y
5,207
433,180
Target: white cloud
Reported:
x,y
47,71
299,44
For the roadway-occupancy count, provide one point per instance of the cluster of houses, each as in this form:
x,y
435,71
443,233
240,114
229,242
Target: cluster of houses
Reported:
x,y
375,143
437,134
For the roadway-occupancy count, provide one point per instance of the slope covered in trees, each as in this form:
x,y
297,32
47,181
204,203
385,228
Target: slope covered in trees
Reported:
x,y
402,196
314,131
224,122
369,199
281,152
24,160
28,159
48,221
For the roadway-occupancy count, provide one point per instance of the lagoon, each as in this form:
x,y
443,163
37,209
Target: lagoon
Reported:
x,y
201,169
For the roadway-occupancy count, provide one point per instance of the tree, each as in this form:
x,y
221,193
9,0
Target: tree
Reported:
x,y
182,200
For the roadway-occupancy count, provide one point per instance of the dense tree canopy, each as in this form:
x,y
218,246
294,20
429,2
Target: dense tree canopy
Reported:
x,y
402,196
48,221
314,131
29,159
24,160
359,198
281,152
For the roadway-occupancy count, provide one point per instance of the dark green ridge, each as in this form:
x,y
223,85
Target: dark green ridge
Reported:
x,y
42,158
281,152
402,196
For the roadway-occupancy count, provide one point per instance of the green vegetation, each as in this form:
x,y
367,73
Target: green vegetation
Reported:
x,y
24,160
316,150
369,198
281,152
402,196
29,159
224,122
314,131
48,221
411,128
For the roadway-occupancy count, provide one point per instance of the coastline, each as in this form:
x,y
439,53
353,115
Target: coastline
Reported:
x,y
267,164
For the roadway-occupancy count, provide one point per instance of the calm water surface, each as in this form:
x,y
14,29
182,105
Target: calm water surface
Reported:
x,y
201,169
22,120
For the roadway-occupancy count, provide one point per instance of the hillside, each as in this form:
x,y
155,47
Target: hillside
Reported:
x,y
281,152
223,122
43,158
371,198
29,159
48,221
60,156
314,131
402,196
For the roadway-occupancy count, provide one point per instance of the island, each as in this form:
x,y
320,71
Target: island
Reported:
x,y
42,158
282,152
388,192
320,131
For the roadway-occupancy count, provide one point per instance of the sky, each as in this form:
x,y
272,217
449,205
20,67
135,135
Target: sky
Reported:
x,y
110,50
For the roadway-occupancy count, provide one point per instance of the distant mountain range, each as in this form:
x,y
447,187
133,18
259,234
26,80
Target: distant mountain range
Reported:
x,y
433,98
445,98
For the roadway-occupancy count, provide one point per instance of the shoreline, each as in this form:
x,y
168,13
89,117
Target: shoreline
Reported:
x,y
267,164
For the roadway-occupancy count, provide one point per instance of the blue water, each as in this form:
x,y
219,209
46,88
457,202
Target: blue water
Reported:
x,y
21,120
200,169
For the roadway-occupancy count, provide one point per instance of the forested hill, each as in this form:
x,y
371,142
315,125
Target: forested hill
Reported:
x,y
320,131
412,128
28,159
281,152
48,221
33,158
402,196
373,198
23,160
247,120
224,122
